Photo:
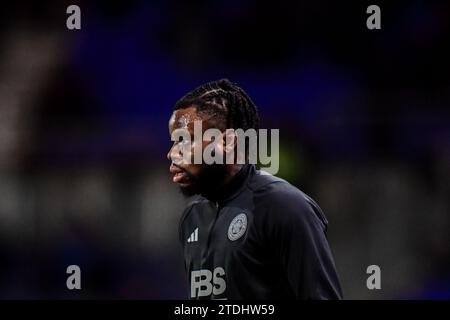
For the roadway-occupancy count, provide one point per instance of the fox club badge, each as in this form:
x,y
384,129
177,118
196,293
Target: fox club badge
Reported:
x,y
237,227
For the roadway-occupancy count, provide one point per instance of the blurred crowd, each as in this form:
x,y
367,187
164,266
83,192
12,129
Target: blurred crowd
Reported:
x,y
364,119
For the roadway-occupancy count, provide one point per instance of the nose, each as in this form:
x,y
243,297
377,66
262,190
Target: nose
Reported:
x,y
174,153
169,154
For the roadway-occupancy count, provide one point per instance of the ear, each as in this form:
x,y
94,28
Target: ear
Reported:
x,y
230,140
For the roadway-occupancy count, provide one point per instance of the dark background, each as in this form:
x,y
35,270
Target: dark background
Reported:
x,y
364,119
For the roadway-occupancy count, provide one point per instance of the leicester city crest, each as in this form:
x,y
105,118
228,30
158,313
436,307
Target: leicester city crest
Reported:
x,y
237,227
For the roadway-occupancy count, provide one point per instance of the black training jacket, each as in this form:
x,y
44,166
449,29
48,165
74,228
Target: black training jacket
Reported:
x,y
260,238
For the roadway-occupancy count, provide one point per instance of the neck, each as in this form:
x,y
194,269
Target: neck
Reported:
x,y
232,170
221,191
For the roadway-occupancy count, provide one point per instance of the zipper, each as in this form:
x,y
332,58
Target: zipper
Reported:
x,y
211,229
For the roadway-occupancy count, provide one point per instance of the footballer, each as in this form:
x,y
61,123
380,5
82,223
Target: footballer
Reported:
x,y
247,234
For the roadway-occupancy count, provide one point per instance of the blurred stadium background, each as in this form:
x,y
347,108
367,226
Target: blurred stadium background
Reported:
x,y
364,119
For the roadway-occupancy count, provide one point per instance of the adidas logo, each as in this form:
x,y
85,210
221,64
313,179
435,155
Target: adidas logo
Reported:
x,y
194,236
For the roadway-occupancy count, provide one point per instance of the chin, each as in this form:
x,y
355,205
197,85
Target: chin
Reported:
x,y
189,190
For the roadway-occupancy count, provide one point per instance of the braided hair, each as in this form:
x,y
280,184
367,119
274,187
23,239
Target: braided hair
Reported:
x,y
227,103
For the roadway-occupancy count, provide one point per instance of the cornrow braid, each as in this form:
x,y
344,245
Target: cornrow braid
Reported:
x,y
225,101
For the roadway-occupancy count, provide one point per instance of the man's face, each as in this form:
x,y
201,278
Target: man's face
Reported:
x,y
192,178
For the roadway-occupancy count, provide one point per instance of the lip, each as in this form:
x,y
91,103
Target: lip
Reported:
x,y
179,175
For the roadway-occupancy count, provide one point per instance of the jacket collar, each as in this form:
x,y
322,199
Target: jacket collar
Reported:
x,y
234,187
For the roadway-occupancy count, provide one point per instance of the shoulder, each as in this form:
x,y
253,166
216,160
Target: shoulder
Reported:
x,y
281,202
